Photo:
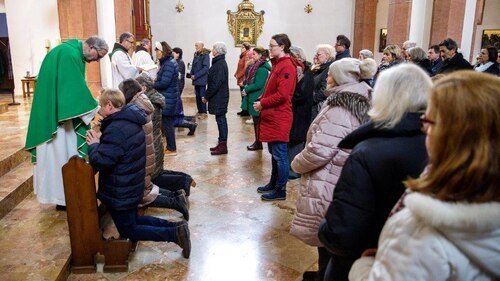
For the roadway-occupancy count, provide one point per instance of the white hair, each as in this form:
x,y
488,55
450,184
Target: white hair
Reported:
x,y
399,90
329,50
367,54
220,48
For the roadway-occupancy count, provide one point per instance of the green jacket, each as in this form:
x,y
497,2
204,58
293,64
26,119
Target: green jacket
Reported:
x,y
255,90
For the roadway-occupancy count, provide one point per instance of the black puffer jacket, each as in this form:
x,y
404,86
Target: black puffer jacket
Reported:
x,y
217,93
120,158
371,183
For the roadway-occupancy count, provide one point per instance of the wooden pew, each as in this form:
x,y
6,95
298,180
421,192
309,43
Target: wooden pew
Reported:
x,y
83,220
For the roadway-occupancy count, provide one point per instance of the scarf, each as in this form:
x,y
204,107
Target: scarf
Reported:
x,y
253,70
483,67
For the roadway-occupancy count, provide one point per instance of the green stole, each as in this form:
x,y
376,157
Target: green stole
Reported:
x,y
61,94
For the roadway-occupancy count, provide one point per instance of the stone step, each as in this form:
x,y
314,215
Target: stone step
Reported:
x,y
4,107
35,243
13,160
17,183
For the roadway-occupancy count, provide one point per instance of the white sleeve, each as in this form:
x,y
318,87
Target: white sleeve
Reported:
x,y
86,118
124,65
361,269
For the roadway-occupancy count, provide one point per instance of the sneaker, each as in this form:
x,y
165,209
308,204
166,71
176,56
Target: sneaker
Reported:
x,y
276,194
170,152
183,240
264,189
249,121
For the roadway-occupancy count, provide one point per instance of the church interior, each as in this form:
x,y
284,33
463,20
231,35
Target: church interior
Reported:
x,y
234,235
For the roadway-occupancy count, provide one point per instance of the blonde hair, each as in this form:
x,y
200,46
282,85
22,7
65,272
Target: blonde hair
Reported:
x,y
394,50
115,96
399,90
465,155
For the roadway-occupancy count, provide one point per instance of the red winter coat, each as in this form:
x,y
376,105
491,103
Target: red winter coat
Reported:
x,y
276,116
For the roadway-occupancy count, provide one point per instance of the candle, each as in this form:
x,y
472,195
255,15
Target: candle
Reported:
x,y
47,43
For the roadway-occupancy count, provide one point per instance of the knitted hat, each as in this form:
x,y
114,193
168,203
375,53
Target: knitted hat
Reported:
x,y
368,68
345,70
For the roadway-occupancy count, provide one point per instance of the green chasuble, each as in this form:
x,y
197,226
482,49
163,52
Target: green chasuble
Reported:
x,y
61,94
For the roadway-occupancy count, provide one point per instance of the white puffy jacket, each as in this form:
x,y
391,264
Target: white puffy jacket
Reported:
x,y
434,240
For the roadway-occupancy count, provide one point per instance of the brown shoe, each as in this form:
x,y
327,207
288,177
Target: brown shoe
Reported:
x,y
183,240
221,149
215,147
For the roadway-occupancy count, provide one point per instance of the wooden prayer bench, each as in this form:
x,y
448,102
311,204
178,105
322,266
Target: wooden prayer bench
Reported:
x,y
84,213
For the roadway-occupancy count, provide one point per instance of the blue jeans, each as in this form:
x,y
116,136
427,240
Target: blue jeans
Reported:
x,y
143,228
222,126
280,165
200,92
169,125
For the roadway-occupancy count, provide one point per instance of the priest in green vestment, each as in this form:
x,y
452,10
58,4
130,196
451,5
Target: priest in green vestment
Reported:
x,y
62,109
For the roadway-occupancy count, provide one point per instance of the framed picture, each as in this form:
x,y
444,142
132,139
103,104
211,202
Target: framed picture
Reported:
x,y
490,37
382,40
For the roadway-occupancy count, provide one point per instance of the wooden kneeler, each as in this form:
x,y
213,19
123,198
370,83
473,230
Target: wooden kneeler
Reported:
x,y
83,221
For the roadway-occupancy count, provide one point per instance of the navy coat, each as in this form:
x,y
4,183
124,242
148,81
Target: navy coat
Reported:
x,y
120,158
217,93
199,69
167,83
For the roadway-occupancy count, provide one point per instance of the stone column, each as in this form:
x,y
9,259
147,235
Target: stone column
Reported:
x,y
365,18
447,20
420,23
398,22
106,30
468,31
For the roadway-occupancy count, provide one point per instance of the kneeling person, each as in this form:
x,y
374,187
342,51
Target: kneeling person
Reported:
x,y
119,155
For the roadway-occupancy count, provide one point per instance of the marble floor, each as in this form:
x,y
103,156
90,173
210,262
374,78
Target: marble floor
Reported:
x,y
235,235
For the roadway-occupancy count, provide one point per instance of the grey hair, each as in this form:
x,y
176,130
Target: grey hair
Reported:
x,y
417,54
409,44
399,90
220,48
367,54
298,52
146,81
327,48
97,43
145,41
124,36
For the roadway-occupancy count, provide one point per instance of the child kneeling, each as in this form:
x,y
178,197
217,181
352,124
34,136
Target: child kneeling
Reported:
x,y
119,154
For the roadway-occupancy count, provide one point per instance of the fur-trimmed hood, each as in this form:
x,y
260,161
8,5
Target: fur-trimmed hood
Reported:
x,y
358,105
474,228
204,51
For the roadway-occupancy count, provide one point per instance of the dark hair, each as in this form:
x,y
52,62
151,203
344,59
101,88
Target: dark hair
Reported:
x,y
124,36
129,88
343,40
167,50
178,50
283,40
449,44
261,51
435,48
246,45
492,53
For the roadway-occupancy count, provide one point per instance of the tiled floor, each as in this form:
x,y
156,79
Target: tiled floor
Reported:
x,y
235,236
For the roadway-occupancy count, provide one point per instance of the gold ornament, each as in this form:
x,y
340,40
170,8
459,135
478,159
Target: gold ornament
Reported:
x,y
179,7
308,8
245,25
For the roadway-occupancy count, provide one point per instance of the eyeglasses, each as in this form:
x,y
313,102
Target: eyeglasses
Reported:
x,y
99,56
131,42
425,123
272,45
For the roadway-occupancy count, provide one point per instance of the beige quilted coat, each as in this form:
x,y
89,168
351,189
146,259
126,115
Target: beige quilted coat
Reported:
x,y
321,161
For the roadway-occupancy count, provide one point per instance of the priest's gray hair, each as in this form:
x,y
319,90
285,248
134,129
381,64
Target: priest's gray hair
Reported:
x,y
220,48
125,36
96,42
144,42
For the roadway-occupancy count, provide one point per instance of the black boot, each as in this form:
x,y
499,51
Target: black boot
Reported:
x,y
192,128
183,239
215,147
257,145
279,193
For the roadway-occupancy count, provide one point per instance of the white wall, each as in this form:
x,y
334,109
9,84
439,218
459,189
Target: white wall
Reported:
x,y
2,6
381,22
491,20
206,20
30,23
421,21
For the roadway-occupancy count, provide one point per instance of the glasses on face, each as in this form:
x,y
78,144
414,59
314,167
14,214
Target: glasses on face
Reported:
x,y
425,123
131,42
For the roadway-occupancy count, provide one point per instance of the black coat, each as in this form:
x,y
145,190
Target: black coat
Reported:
x,y
426,65
319,88
494,69
302,101
455,63
120,158
217,93
182,73
371,183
